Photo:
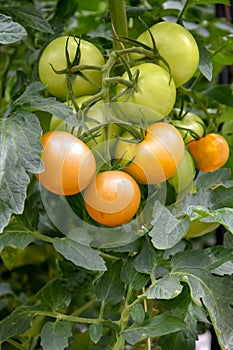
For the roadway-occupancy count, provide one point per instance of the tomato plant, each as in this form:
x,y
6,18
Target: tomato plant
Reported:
x,y
66,160
177,47
151,78
112,198
54,61
157,157
209,152
109,249
191,126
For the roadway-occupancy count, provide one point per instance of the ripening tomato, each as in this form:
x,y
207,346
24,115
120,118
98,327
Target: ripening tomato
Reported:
x,y
191,126
210,152
154,90
177,46
156,158
113,198
69,165
54,57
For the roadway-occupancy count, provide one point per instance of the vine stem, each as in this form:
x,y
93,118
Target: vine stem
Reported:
x,y
119,21
183,11
69,318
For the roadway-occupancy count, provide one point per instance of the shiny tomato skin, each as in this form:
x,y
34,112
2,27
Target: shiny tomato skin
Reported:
x,y
177,46
154,90
191,127
54,54
210,152
113,198
69,165
156,158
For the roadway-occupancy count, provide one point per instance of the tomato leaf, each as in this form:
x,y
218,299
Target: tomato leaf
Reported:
x,y
18,322
28,17
110,288
164,323
132,277
165,288
54,296
167,229
80,255
221,93
213,179
183,306
148,258
138,314
205,64
11,32
55,335
95,331
32,99
195,270
20,148
19,233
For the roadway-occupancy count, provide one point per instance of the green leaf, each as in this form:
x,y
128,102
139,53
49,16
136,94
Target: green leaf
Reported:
x,y
55,335
221,93
19,233
138,314
19,156
205,63
222,197
167,287
212,179
54,296
32,99
212,291
132,277
11,32
18,322
95,331
223,216
164,323
110,288
28,17
148,258
167,230
80,255
183,307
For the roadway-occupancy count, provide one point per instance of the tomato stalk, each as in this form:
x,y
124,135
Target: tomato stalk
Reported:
x,y
118,20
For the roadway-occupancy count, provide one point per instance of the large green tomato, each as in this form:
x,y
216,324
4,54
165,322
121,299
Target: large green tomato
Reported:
x,y
177,46
191,126
183,177
154,90
95,126
54,56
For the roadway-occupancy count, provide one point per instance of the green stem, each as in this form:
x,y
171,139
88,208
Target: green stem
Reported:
x,y
182,12
42,237
83,308
15,344
119,20
69,318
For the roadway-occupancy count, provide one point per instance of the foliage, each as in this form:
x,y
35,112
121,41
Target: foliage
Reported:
x,y
69,285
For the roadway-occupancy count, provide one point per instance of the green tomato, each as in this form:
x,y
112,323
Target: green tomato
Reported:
x,y
54,56
182,180
154,90
200,228
191,126
95,126
177,46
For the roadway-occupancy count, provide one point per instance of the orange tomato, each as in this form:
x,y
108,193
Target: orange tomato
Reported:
x,y
156,158
113,198
69,165
209,152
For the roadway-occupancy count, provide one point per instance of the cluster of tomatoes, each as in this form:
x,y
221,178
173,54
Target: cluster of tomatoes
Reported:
x,y
107,159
